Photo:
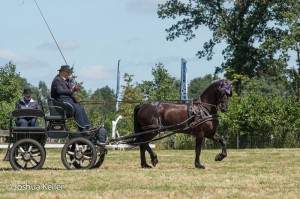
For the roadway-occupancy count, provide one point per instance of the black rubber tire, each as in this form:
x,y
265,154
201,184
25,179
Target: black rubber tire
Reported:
x,y
101,152
26,152
73,158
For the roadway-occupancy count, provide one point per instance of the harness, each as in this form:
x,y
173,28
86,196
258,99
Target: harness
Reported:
x,y
195,118
203,114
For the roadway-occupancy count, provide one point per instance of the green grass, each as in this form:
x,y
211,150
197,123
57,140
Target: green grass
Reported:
x,y
256,173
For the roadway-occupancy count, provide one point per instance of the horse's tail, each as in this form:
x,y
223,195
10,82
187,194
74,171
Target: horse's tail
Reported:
x,y
137,126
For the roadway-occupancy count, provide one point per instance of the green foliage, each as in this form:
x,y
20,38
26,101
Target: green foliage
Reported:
x,y
10,88
253,31
132,95
198,85
271,121
104,110
44,92
10,91
163,87
184,141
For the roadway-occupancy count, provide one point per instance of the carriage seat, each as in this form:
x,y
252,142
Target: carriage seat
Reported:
x,y
59,110
27,113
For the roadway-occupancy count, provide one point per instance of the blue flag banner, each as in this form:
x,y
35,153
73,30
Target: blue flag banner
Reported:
x,y
118,87
183,89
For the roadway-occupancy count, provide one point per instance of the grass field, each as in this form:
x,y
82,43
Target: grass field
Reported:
x,y
256,173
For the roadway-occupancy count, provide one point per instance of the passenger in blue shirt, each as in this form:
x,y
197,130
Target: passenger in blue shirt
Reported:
x,y
26,102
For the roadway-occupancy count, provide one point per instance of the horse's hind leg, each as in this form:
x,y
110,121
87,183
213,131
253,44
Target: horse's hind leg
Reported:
x,y
143,157
198,152
152,154
223,154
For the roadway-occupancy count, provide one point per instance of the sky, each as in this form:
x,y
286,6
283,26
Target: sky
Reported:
x,y
93,35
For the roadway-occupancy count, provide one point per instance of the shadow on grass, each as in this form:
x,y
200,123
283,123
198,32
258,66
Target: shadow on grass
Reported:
x,y
47,168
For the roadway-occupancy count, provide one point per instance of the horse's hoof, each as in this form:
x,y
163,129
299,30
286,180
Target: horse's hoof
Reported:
x,y
199,166
146,166
220,157
154,161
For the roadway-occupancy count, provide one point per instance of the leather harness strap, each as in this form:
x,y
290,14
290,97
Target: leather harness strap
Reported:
x,y
202,116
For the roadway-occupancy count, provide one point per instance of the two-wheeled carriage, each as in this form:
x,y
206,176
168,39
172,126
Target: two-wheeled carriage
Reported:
x,y
26,149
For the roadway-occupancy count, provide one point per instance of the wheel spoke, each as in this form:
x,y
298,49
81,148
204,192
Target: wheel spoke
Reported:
x,y
36,154
87,157
22,150
70,153
19,157
24,165
36,161
33,162
76,146
81,162
72,161
30,148
101,152
85,147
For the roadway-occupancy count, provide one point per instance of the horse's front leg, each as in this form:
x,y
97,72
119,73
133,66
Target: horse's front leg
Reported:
x,y
143,157
223,154
198,152
152,154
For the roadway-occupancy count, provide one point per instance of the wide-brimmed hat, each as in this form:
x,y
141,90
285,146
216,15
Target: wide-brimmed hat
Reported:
x,y
26,92
65,68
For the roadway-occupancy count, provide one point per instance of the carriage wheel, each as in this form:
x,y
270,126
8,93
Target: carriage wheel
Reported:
x,y
27,154
79,153
75,164
78,166
101,152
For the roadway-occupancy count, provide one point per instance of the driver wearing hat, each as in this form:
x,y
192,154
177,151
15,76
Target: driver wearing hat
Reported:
x,y
63,90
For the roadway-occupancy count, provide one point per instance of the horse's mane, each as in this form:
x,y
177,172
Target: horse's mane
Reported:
x,y
214,84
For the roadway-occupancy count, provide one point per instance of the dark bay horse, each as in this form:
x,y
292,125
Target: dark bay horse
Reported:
x,y
198,119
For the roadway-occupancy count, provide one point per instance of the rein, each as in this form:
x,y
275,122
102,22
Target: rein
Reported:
x,y
212,105
153,140
203,116
165,128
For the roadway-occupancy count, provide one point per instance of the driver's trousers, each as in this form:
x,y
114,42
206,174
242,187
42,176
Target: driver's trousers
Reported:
x,y
81,118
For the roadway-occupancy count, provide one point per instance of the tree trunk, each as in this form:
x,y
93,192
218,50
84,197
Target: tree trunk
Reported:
x,y
298,80
238,88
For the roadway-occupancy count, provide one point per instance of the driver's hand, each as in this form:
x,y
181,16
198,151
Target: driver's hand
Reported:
x,y
77,87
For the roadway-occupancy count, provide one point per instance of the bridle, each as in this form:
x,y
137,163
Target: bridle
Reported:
x,y
221,99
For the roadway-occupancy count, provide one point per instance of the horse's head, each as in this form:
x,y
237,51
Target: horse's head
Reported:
x,y
223,94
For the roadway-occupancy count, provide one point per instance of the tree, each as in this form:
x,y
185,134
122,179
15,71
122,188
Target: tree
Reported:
x,y
10,91
132,95
290,41
163,87
41,94
250,28
198,85
104,107
269,86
